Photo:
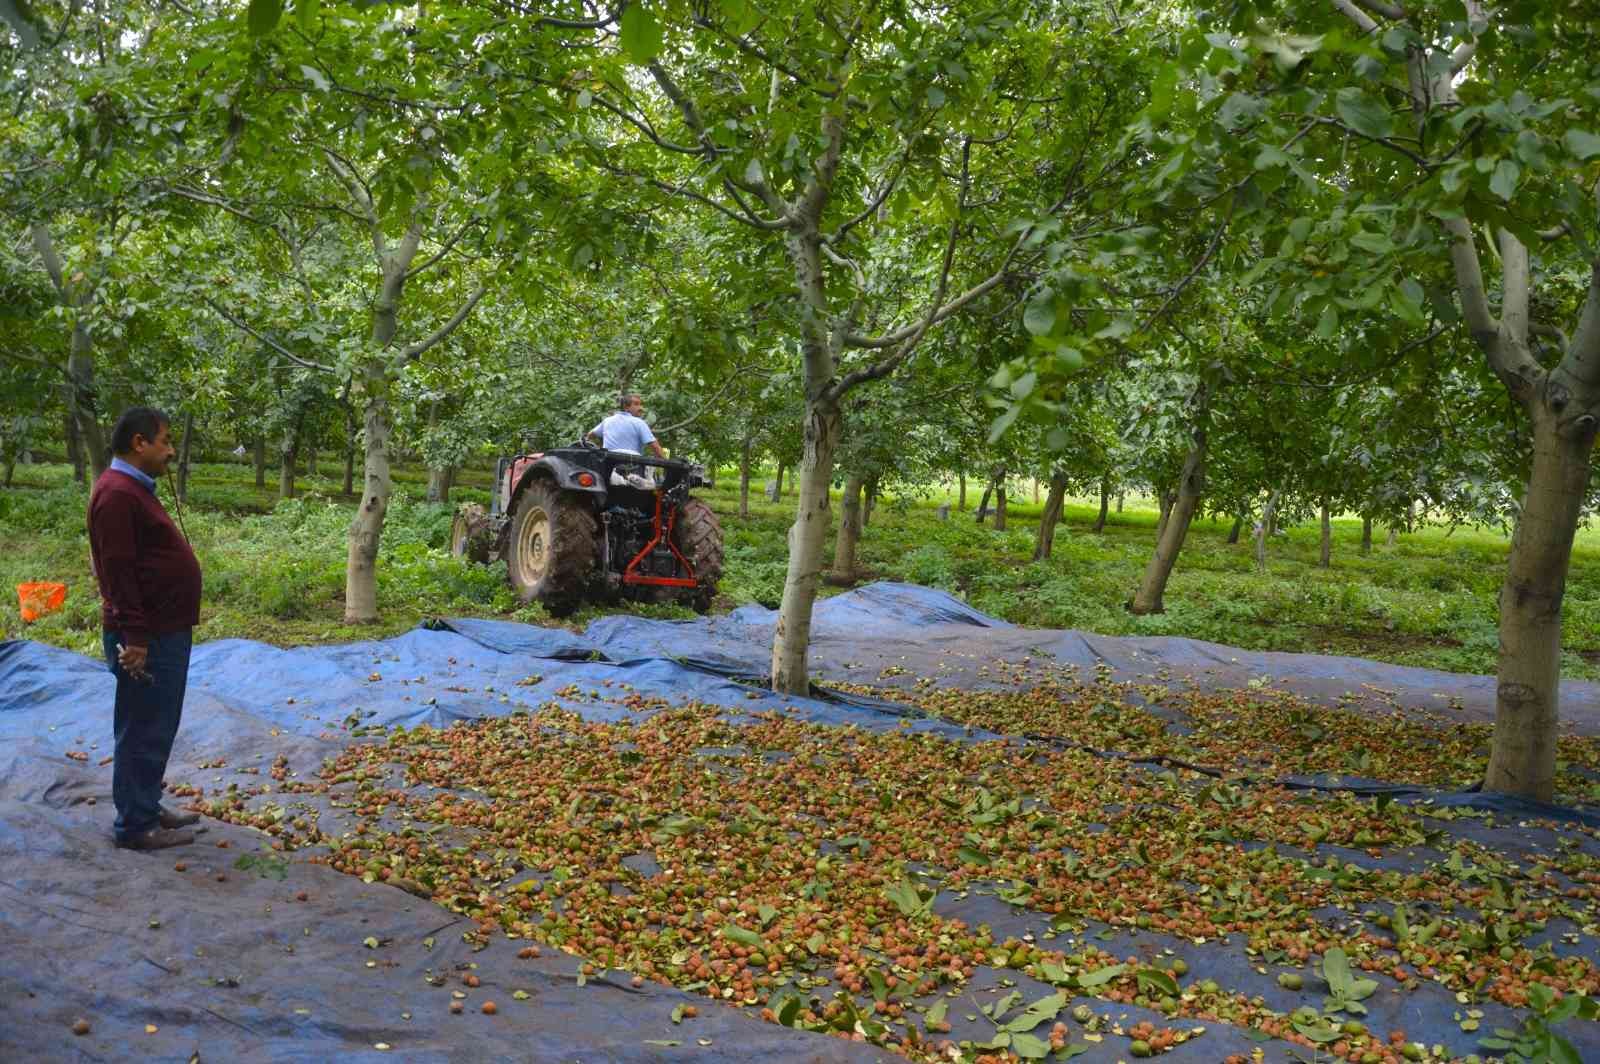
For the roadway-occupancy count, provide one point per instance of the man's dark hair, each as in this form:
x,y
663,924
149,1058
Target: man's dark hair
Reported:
x,y
143,421
625,398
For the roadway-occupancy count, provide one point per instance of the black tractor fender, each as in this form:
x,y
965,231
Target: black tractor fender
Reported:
x,y
567,476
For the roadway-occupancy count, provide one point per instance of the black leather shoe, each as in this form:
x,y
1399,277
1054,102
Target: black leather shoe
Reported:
x,y
170,819
157,839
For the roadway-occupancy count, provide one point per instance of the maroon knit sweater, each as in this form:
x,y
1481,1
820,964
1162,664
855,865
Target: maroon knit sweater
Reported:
x,y
149,577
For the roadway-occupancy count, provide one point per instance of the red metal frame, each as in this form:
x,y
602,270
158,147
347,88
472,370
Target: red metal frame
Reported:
x,y
630,576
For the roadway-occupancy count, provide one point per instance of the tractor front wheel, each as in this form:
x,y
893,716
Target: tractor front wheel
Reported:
x,y
469,534
551,556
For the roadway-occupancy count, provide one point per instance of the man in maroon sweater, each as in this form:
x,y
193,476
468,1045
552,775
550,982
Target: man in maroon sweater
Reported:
x,y
150,589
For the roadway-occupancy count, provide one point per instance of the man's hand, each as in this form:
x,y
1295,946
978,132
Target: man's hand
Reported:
x,y
133,661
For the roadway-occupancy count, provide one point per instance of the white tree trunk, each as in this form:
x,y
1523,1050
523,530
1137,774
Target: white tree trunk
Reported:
x,y
1522,755
1191,485
1325,556
808,538
844,548
366,529
1269,513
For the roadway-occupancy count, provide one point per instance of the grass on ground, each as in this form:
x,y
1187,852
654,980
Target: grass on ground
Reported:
x,y
275,571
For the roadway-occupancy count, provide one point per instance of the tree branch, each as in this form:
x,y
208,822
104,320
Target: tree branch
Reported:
x,y
1177,290
871,208
885,366
753,221
1582,360
269,341
416,349
734,376
46,247
1388,11
1469,280
443,250
1514,287
1362,20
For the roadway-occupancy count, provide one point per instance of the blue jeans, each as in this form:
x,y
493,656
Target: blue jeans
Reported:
x,y
146,722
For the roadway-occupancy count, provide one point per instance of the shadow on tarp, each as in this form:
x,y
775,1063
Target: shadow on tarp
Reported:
x,y
78,907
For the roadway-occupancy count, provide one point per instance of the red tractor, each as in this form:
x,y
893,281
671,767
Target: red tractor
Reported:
x,y
581,524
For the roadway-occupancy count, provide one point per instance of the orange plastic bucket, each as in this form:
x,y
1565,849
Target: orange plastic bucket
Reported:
x,y
38,599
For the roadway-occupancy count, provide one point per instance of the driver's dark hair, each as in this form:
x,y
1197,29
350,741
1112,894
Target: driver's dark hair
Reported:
x,y
143,421
625,398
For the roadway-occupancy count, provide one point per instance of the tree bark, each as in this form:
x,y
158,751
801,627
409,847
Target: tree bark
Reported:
x,y
1035,490
184,450
1122,497
1054,503
1366,534
1325,556
779,480
807,539
1191,485
366,528
744,478
74,447
1105,505
1165,499
850,525
439,485
1000,506
349,449
961,489
438,482
1269,512
311,457
869,500
1522,755
259,458
287,454
983,503
1238,526
75,293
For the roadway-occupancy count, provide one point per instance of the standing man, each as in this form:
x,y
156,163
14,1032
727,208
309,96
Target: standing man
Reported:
x,y
150,589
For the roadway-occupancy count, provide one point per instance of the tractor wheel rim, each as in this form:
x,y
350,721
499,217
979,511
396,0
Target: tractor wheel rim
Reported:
x,y
533,546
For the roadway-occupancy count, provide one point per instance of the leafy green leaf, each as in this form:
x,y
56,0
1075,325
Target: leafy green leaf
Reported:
x,y
265,865
642,34
908,898
1158,980
1363,113
743,936
1042,1011
1581,143
1040,317
1328,323
1102,976
305,13
263,16
1029,1047
1507,173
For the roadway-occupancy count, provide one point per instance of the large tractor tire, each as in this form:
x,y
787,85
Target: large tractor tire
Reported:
x,y
554,543
469,534
698,535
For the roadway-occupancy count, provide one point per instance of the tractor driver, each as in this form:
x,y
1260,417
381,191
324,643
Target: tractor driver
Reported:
x,y
627,432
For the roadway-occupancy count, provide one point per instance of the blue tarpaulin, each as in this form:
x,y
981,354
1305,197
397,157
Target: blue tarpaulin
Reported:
x,y
232,965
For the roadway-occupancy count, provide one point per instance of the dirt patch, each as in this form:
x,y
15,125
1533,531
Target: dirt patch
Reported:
x,y
1373,642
